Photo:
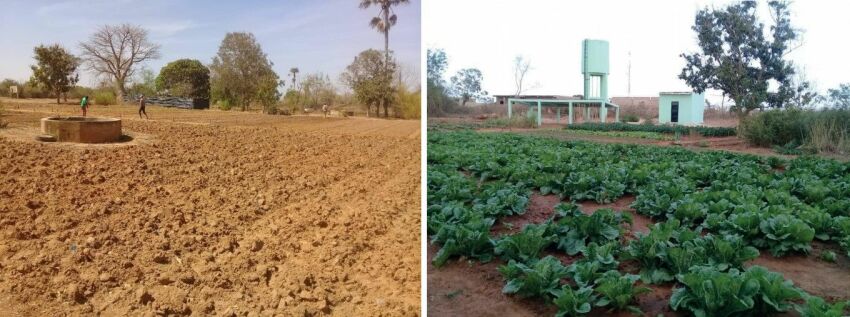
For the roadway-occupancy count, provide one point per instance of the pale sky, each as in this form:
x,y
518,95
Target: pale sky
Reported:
x,y
315,36
488,34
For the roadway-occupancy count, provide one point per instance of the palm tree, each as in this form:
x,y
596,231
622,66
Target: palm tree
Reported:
x,y
294,71
385,20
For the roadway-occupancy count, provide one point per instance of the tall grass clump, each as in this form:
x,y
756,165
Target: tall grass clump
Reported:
x,y
3,122
104,98
409,104
824,131
513,122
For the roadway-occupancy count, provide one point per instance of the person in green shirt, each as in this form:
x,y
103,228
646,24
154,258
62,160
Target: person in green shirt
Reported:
x,y
84,104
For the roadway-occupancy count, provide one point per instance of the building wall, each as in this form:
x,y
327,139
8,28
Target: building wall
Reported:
x,y
691,108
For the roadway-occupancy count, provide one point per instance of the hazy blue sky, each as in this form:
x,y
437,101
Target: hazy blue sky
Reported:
x,y
316,36
549,33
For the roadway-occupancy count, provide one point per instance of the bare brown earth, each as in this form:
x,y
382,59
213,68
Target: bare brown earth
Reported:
x,y
466,288
211,213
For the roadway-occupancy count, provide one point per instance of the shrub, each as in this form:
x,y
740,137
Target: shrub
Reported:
x,y
631,118
3,123
409,106
648,127
104,98
513,122
224,104
815,130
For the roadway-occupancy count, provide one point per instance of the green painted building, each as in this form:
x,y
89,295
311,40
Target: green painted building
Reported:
x,y
684,108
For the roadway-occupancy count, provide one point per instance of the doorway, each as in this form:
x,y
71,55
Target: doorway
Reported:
x,y
674,112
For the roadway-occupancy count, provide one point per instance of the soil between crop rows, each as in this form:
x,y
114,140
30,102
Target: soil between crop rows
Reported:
x,y
215,214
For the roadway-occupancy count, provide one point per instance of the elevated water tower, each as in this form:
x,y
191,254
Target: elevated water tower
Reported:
x,y
594,67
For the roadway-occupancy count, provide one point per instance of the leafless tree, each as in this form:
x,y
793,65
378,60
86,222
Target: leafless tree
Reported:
x,y
521,68
116,50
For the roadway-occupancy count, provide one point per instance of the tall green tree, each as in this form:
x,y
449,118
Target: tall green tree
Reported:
x,y
437,62
241,73
383,22
55,69
466,85
438,100
739,58
187,78
366,76
838,98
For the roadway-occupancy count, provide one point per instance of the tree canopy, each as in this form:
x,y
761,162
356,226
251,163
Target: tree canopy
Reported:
x,y
437,98
55,69
737,56
838,98
367,77
187,78
466,85
241,73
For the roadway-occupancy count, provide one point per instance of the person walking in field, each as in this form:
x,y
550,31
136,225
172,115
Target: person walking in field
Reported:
x,y
142,107
325,110
84,104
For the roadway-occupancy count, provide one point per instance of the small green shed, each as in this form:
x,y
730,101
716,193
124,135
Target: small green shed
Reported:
x,y
681,108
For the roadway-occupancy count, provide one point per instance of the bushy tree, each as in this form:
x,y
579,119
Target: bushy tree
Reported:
x,y
317,90
437,98
116,51
837,98
55,69
367,77
466,85
241,73
738,57
145,84
187,78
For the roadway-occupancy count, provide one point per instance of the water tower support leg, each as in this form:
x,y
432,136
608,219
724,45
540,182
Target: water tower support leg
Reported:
x,y
539,114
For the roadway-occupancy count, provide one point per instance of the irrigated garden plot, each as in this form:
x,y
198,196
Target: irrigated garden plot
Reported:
x,y
523,225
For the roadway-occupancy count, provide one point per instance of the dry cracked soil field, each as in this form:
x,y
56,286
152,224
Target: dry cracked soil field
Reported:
x,y
211,213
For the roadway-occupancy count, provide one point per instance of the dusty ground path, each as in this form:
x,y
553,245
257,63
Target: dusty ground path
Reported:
x,y
216,213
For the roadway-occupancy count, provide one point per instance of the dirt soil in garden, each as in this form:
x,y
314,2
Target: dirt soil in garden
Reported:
x,y
466,288
211,213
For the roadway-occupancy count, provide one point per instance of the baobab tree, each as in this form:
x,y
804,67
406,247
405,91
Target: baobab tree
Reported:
x,y
116,50
385,20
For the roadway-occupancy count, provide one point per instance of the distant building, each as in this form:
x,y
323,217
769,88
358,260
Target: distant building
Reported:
x,y
681,108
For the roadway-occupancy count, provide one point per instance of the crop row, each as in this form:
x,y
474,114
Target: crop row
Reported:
x,y
668,129
715,210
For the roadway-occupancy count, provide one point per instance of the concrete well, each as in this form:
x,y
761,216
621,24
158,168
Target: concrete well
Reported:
x,y
82,129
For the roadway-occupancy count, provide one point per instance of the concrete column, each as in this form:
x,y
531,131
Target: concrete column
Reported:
x,y
603,112
559,115
539,114
570,113
509,108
